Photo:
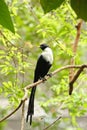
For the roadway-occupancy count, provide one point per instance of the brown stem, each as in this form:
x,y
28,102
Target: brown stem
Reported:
x,y
12,112
74,48
52,123
22,121
75,78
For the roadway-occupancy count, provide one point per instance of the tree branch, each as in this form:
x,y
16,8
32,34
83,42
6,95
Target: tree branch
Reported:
x,y
52,123
52,74
22,120
6,117
75,78
80,67
74,49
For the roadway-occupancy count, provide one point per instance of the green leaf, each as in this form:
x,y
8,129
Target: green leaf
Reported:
x,y
49,5
5,18
80,8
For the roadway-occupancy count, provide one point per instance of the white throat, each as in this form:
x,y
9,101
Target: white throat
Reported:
x,y
48,55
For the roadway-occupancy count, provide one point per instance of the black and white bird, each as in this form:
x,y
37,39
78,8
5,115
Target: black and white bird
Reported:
x,y
43,65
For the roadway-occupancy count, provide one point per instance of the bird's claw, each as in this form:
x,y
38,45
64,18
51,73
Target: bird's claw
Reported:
x,y
50,74
44,79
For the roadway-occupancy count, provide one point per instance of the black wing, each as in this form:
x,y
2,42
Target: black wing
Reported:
x,y
42,68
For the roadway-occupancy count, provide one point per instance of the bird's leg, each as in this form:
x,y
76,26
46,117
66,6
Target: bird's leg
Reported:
x,y
43,78
50,74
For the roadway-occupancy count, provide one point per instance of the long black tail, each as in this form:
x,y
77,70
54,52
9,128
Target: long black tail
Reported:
x,y
30,111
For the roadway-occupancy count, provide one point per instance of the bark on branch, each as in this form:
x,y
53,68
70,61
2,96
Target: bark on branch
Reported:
x,y
74,50
75,78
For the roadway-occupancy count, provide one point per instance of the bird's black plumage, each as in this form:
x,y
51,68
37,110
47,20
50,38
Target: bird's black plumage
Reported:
x,y
43,65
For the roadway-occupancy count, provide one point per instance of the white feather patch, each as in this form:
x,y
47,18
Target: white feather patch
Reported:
x,y
48,55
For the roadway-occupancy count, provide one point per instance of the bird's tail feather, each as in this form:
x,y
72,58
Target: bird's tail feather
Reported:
x,y
30,111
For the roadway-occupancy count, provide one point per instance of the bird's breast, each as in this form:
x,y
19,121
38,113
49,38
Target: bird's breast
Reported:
x,y
48,55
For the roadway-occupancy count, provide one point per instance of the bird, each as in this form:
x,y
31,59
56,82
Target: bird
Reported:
x,y
44,62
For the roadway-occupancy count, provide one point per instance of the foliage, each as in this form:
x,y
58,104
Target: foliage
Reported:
x,y
2,113
5,19
80,7
18,54
49,5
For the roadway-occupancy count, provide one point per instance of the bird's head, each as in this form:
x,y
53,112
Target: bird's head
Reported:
x,y
43,46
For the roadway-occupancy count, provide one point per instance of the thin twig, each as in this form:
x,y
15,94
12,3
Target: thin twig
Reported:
x,y
52,123
7,41
11,112
23,75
